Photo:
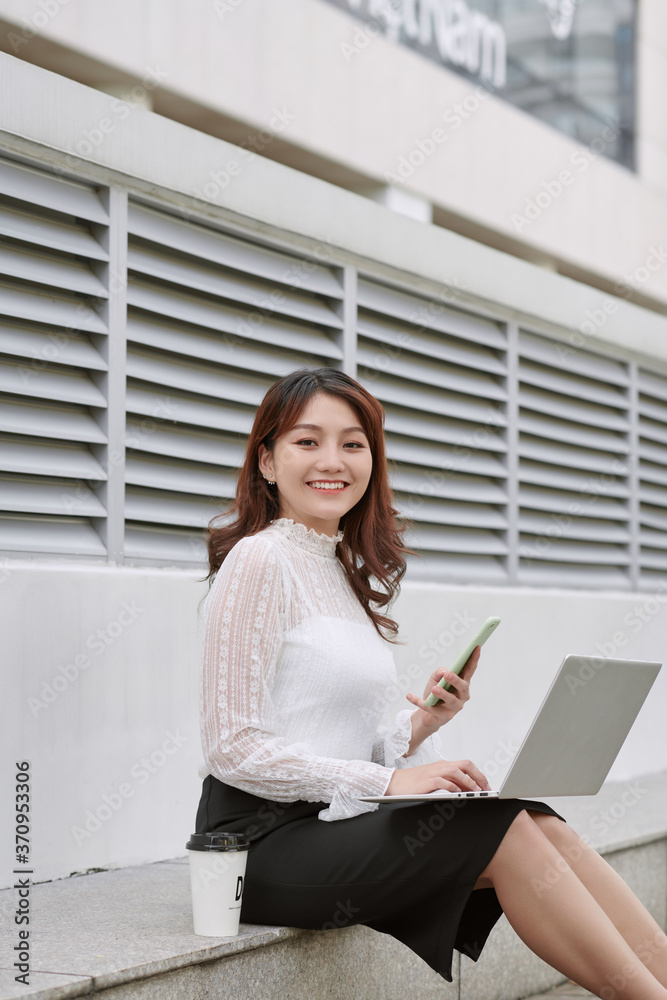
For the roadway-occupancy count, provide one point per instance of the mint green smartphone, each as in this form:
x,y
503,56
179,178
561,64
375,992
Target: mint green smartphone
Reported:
x,y
478,639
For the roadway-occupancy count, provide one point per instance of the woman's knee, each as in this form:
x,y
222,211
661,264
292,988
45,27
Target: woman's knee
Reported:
x,y
561,834
519,836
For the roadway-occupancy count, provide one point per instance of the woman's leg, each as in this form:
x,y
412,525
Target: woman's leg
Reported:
x,y
629,916
560,920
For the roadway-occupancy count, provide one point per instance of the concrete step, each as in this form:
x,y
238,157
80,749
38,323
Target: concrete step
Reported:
x,y
127,933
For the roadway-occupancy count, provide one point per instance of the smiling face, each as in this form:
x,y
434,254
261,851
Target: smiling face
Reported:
x,y
322,465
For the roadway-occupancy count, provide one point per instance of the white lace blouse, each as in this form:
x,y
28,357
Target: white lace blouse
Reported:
x,y
295,679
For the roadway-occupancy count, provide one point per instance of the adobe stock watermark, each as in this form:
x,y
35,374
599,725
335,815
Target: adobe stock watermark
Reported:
x,y
460,624
224,7
140,772
645,951
635,619
221,177
633,281
92,138
343,916
137,434
553,188
422,319
31,26
561,523
388,11
424,148
96,642
445,809
296,276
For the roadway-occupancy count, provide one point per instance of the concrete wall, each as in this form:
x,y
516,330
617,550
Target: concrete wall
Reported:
x,y
102,675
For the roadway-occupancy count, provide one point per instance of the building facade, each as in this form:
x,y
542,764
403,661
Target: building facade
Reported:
x,y
195,204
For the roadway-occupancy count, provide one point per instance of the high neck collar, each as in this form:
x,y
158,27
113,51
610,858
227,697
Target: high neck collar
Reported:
x,y
308,538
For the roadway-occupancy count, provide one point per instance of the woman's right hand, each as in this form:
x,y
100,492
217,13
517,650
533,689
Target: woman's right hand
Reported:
x,y
452,775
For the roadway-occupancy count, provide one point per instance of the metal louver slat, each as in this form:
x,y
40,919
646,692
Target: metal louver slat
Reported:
x,y
197,277
652,473
240,352
176,509
653,430
142,469
231,252
189,409
67,423
176,443
428,510
569,385
653,539
424,453
553,353
479,413
574,457
50,270
444,376
652,384
559,549
45,231
571,410
655,560
573,452
164,546
43,346
447,484
453,567
429,344
591,529
571,433
49,382
569,479
39,188
653,517
572,503
64,460
52,365
51,309
48,496
207,380
73,536
585,574
429,427
212,321
427,537
428,313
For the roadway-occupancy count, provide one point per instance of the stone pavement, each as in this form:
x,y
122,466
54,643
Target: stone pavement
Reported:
x,y
568,991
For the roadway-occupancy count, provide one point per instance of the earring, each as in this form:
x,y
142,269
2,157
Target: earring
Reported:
x,y
271,482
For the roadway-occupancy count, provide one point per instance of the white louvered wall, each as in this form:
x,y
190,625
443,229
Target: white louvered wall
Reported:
x,y
514,457
52,356
574,425
213,320
652,487
441,377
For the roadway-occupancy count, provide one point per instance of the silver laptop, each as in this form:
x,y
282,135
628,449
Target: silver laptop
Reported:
x,y
575,737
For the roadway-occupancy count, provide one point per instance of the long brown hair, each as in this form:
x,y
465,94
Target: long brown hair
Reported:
x,y
372,543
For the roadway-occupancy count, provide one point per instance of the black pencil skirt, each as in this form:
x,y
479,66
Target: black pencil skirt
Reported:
x,y
375,869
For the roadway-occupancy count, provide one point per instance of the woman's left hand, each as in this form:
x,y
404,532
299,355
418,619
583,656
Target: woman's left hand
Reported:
x,y
449,702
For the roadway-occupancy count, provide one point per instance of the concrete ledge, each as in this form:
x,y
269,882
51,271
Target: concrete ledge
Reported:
x,y
128,932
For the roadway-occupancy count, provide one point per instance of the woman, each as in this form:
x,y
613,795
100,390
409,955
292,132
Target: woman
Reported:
x,y
296,666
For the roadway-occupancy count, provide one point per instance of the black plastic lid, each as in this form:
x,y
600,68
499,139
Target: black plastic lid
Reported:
x,y
218,842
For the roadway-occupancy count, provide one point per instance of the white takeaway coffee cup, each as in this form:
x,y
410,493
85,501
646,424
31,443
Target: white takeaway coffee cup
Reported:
x,y
217,873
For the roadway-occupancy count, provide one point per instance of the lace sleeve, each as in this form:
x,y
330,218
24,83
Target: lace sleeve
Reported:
x,y
391,742
240,649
